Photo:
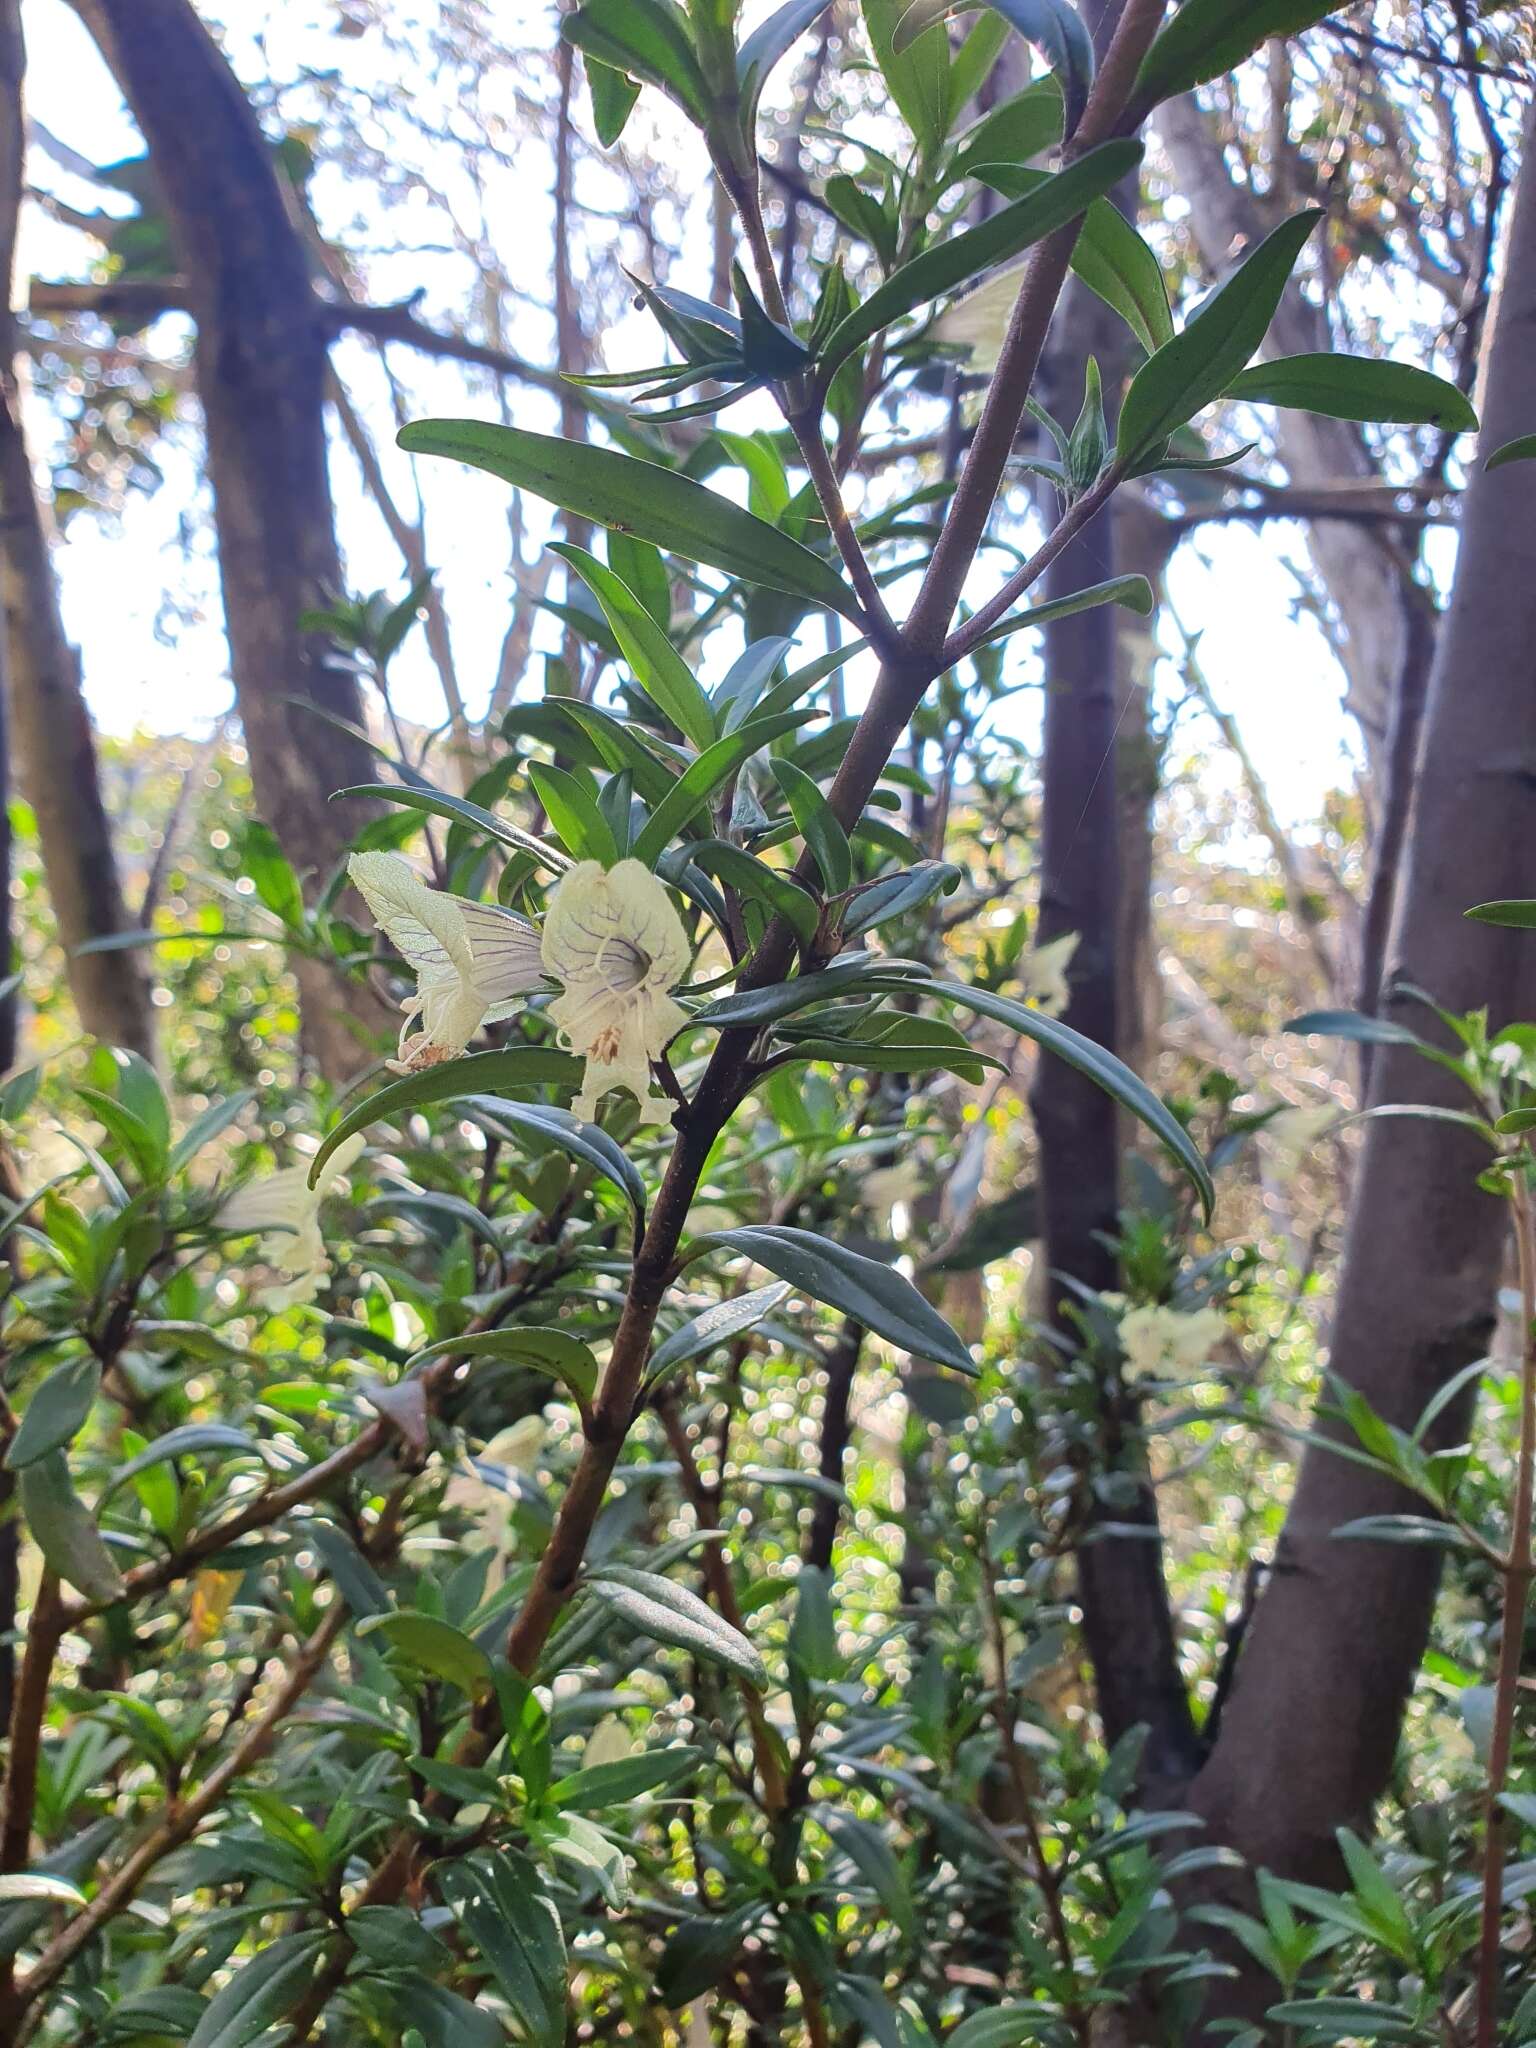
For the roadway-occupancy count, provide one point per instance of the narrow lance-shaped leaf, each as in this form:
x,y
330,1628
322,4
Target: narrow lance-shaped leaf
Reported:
x,y
513,1067
1111,1074
1198,364
672,1614
613,100
647,39
877,1296
1207,38
656,664
657,504
1050,206
1357,388
1055,28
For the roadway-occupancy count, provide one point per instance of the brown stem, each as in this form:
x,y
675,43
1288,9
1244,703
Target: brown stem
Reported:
x,y
716,1570
1519,1569
841,1368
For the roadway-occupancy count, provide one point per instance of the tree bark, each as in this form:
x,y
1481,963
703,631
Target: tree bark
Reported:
x,y
1310,1730
1357,570
46,712
262,358
1127,1619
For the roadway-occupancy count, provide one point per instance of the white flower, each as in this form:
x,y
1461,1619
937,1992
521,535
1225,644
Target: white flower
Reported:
x,y
1044,974
473,961
616,945
286,1209
979,321
1157,1340
1145,1339
1196,1338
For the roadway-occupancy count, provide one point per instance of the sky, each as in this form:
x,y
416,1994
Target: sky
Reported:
x,y
1269,667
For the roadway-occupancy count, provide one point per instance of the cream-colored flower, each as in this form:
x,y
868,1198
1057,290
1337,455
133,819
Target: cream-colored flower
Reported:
x,y
1167,1340
286,1209
979,321
1044,974
616,945
474,963
1196,1338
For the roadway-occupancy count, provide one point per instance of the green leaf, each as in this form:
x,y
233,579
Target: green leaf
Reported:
x,y
1010,133
613,98
1357,388
1111,1074
875,1295
701,778
188,1440
1352,2019
700,1952
917,76
132,1135
628,1777
277,886
1002,2026
657,504
56,1412
356,1580
1135,593
574,813
1353,1025
894,895
782,999
433,1645
1059,199
474,1074
1206,38
1521,449
1054,27
749,876
646,39
1520,912
770,41
65,1531
215,1119
656,665
717,1325
656,1607
439,805
869,1850
500,1901
816,825
262,1991
555,1352
1197,366
1117,266
587,1142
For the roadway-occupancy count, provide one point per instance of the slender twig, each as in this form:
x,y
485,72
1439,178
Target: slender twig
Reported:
x,y
1519,1571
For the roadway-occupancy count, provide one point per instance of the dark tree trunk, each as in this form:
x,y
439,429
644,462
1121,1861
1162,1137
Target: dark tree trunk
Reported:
x,y
261,376
1127,1621
1308,1736
45,711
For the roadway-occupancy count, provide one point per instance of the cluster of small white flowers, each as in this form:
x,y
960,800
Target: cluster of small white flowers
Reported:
x,y
1158,1341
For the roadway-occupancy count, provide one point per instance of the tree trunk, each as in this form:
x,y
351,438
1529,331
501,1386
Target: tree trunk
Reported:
x,y
46,714
1357,569
261,376
1309,1733
1127,1621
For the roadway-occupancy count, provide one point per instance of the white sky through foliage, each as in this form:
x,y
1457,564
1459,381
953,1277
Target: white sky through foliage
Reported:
x,y
164,666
